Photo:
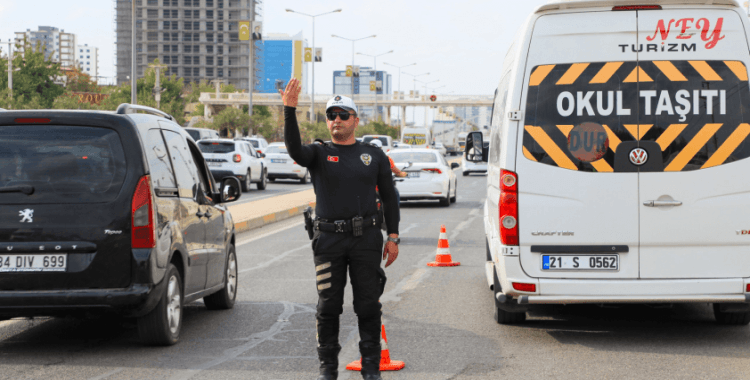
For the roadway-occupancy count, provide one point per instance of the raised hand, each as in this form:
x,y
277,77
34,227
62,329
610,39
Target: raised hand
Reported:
x,y
290,96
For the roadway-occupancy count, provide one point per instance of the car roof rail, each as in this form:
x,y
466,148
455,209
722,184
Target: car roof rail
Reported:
x,y
126,108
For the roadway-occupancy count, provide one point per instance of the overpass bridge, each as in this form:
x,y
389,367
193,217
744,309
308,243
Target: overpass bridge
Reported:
x,y
215,102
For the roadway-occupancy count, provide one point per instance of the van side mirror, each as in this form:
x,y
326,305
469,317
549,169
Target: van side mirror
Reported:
x,y
474,148
230,190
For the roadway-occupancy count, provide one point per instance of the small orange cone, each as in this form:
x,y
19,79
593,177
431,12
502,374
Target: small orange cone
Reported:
x,y
443,255
386,364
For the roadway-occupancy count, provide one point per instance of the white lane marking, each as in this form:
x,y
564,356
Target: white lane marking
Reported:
x,y
421,273
269,233
252,342
275,259
108,374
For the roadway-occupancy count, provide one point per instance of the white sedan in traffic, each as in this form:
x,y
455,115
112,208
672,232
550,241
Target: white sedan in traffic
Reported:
x,y
281,166
430,176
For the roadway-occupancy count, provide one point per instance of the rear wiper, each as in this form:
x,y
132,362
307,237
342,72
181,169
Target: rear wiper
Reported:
x,y
26,189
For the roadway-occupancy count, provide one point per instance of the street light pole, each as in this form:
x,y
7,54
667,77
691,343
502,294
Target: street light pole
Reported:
x,y
312,104
353,41
399,79
414,79
133,69
375,68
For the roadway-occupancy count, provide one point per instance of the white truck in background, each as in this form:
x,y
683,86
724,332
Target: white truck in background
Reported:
x,y
462,142
444,131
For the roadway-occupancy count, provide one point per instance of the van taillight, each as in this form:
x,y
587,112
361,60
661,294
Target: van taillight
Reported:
x,y
524,287
636,7
508,206
143,230
237,158
748,288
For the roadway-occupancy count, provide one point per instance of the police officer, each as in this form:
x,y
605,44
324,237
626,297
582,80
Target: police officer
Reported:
x,y
344,174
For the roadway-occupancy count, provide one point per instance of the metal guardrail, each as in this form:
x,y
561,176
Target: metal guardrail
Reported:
x,y
221,98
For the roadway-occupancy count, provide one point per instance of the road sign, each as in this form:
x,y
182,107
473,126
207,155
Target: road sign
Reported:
x,y
433,98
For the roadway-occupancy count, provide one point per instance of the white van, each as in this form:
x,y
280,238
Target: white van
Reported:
x,y
416,137
618,159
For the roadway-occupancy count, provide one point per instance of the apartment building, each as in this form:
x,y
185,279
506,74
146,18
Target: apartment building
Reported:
x,y
57,45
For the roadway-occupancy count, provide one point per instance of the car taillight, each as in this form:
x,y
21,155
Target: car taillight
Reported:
x,y
524,287
237,158
748,288
143,229
508,206
636,7
438,171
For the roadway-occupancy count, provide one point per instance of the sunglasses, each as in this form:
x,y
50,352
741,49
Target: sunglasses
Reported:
x,y
343,115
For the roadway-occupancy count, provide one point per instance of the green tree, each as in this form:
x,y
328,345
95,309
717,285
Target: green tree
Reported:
x,y
172,101
231,119
311,131
33,79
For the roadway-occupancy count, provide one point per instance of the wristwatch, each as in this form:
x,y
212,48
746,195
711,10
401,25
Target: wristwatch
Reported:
x,y
395,240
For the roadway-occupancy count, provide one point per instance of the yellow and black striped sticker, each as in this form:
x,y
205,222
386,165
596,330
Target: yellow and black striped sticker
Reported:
x,y
693,110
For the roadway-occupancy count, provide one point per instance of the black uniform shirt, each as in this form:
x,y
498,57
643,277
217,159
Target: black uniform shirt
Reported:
x,y
344,176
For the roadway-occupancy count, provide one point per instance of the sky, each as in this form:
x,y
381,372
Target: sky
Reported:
x,y
460,43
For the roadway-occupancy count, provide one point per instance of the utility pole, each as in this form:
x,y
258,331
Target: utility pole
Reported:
x,y
133,68
157,86
10,69
251,58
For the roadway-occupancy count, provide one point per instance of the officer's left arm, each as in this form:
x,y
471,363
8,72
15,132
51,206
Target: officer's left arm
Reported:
x,y
390,207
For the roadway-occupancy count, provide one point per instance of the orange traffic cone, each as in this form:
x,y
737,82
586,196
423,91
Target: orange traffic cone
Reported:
x,y
386,364
443,255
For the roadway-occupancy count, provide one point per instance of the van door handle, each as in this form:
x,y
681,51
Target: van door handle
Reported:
x,y
662,203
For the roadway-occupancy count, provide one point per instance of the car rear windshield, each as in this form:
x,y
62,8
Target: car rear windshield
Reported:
x,y
196,135
60,164
383,140
414,157
590,116
277,149
254,142
216,147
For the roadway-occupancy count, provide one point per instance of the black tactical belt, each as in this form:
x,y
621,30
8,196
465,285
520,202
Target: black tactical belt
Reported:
x,y
340,226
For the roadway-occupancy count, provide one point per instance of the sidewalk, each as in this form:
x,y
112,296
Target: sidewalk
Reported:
x,y
248,216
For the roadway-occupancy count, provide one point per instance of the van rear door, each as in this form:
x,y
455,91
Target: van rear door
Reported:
x,y
693,93
575,205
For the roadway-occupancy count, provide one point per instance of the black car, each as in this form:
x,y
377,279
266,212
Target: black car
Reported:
x,y
111,212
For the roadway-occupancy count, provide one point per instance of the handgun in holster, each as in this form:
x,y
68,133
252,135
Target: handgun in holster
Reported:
x,y
309,222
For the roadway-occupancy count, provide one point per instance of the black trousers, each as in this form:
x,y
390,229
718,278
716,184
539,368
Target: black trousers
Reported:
x,y
334,254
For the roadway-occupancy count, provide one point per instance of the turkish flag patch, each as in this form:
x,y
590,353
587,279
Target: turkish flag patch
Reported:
x,y
333,158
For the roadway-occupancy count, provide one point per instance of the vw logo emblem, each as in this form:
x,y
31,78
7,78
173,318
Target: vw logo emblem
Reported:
x,y
638,156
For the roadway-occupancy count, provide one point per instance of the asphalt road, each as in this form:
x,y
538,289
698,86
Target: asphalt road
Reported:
x,y
439,322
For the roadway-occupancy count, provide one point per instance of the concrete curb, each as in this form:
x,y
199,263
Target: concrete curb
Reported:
x,y
257,222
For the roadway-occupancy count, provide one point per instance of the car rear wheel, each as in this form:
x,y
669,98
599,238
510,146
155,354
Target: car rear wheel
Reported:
x,y
304,179
455,192
263,179
161,326
247,182
731,318
445,202
224,298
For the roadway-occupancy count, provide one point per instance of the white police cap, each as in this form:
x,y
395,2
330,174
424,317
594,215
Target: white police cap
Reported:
x,y
342,102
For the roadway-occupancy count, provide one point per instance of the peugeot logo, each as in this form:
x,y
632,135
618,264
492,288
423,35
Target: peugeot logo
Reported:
x,y
638,156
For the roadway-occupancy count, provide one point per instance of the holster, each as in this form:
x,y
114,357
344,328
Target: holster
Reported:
x,y
309,222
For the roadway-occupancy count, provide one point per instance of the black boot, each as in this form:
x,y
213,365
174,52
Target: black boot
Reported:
x,y
329,362
370,362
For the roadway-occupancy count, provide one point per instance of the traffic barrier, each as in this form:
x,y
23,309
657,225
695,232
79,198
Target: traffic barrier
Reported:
x,y
386,364
443,255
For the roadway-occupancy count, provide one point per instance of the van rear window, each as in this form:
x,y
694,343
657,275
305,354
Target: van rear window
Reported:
x,y
383,140
216,147
591,116
63,164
